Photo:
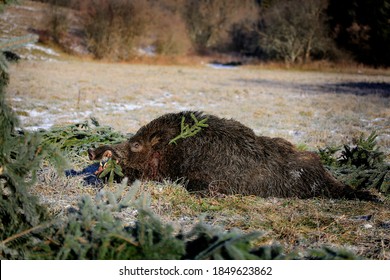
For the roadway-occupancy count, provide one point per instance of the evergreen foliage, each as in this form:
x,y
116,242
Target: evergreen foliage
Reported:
x,y
208,243
78,138
111,168
93,232
5,2
4,77
331,254
361,166
187,131
21,153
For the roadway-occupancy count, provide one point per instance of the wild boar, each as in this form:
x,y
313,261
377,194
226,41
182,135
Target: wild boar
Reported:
x,y
222,156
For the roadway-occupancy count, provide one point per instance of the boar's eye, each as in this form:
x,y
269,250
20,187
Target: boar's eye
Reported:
x,y
136,147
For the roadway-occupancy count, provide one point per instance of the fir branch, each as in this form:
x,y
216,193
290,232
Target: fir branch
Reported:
x,y
361,166
189,131
78,138
128,240
237,245
113,168
23,233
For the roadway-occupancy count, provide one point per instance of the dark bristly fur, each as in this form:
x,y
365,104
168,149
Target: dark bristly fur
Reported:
x,y
225,157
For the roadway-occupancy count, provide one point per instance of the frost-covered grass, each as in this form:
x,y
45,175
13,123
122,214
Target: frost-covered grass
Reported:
x,y
308,108
311,109
360,227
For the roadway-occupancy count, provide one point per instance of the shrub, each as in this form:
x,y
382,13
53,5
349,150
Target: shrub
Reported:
x,y
361,166
171,34
113,27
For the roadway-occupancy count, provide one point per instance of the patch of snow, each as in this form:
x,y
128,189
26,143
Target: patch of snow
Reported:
x,y
179,107
220,66
34,113
34,57
42,49
154,103
147,51
22,7
121,106
82,113
296,133
44,126
373,120
185,219
379,119
44,119
383,137
130,107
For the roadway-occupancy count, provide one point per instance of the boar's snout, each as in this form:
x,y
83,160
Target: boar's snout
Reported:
x,y
101,152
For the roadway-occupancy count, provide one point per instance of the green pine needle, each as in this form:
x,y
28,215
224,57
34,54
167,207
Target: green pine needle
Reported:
x,y
113,168
189,131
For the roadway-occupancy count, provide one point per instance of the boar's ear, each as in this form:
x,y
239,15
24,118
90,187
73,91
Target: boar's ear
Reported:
x,y
160,137
156,138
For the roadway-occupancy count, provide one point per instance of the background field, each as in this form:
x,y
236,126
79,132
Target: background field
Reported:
x,y
311,108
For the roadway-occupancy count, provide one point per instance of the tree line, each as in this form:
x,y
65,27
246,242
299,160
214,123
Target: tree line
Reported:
x,y
293,31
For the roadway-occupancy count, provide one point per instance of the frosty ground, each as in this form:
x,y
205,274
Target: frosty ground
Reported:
x,y
311,109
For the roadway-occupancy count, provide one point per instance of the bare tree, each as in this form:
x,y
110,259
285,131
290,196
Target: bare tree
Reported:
x,y
293,30
210,21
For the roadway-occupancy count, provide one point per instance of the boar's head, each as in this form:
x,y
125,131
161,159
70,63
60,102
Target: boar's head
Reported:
x,y
141,154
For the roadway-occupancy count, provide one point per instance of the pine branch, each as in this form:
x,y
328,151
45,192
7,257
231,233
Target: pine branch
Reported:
x,y
361,166
189,131
113,168
128,240
23,233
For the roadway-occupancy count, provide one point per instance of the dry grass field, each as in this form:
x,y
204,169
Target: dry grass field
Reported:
x,y
309,108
